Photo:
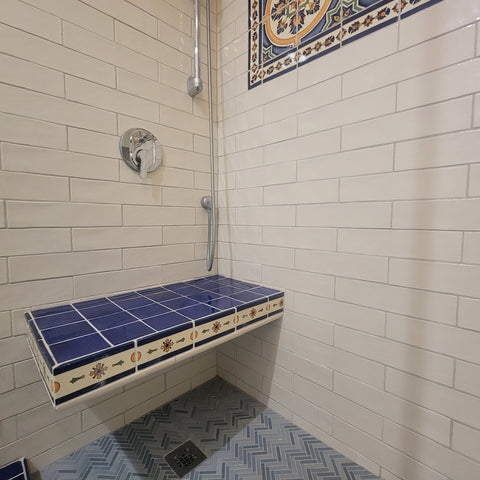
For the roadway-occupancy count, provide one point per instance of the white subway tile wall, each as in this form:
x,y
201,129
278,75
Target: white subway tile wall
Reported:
x,y
363,167
74,220
352,182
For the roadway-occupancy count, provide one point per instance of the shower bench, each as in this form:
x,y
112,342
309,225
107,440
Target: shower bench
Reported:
x,y
83,348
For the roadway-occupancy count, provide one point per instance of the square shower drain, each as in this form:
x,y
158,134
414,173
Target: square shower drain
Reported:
x,y
185,458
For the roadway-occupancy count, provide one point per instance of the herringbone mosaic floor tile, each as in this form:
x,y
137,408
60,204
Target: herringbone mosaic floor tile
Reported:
x,y
242,438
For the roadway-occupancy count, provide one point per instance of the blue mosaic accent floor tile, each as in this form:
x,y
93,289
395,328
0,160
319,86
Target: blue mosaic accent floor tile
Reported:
x,y
242,438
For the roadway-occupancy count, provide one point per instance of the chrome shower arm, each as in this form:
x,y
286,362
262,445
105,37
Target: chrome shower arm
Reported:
x,y
194,83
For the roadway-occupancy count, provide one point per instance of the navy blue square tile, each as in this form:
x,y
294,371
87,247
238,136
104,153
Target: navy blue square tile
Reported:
x,y
78,347
247,296
180,302
149,311
175,286
51,321
113,320
243,285
224,303
204,297
127,332
215,277
161,296
187,290
100,310
225,289
199,282
52,310
13,471
167,320
34,329
147,291
209,285
223,281
90,303
67,332
265,291
134,302
198,311
45,354
124,296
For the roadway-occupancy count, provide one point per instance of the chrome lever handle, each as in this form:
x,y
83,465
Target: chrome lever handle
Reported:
x,y
141,151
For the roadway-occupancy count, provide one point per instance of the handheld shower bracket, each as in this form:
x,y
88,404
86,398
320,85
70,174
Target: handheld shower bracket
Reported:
x,y
206,203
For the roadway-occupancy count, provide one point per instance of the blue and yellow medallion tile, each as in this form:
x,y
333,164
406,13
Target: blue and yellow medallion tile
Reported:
x,y
284,34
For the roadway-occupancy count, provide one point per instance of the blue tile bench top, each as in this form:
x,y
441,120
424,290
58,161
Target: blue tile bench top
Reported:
x,y
81,346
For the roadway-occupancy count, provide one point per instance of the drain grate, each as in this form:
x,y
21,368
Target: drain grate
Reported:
x,y
185,458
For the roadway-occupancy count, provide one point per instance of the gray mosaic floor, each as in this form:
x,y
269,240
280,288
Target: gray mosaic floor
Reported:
x,y
242,438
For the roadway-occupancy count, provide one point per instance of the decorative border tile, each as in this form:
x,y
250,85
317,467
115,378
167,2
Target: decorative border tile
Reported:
x,y
206,331
93,375
323,44
253,313
359,21
408,7
254,51
170,343
284,34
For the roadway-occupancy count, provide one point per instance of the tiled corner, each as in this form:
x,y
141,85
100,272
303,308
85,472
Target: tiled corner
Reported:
x,y
83,346
284,34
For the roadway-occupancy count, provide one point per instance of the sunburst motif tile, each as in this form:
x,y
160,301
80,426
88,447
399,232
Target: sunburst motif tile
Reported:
x,y
284,34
